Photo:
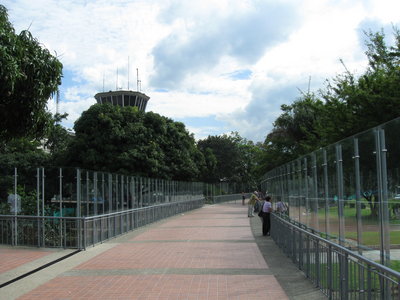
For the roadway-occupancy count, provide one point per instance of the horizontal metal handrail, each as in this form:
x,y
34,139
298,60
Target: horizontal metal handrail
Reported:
x,y
80,232
137,209
41,217
342,249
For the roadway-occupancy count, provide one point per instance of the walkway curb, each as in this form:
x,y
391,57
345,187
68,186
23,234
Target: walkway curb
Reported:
x,y
292,280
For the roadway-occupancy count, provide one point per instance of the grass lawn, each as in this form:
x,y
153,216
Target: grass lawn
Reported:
x,y
355,278
395,265
349,212
371,238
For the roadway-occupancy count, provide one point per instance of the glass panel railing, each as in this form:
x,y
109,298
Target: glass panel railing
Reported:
x,y
349,192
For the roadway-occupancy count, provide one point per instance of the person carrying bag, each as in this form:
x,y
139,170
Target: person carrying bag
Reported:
x,y
266,216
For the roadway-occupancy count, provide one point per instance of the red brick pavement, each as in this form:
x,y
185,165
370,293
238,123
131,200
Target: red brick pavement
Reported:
x,y
179,255
161,287
209,253
197,233
11,258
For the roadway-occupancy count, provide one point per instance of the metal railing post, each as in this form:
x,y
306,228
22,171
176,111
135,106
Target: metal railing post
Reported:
x,y
43,211
84,233
38,206
339,174
326,192
78,205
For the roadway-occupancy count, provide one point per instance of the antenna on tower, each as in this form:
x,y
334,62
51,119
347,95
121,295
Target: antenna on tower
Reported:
x,y
137,79
138,82
116,84
103,81
128,73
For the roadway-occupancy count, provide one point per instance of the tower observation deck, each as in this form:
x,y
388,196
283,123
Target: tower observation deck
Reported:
x,y
123,98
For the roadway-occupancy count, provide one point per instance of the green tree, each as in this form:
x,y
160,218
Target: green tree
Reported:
x,y
29,75
181,155
57,139
295,132
26,156
347,105
229,158
226,152
354,104
126,140
22,153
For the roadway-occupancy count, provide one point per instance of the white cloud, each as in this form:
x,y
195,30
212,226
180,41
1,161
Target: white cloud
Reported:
x,y
190,47
180,104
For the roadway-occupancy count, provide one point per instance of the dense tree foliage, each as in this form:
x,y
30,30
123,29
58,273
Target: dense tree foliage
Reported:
x,y
29,74
369,100
57,139
294,132
22,153
126,140
229,158
347,105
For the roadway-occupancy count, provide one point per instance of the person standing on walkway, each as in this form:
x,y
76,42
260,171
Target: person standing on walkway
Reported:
x,y
250,204
267,209
281,207
243,198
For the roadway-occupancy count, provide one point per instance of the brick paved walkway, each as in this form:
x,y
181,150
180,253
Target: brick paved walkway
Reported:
x,y
11,259
209,253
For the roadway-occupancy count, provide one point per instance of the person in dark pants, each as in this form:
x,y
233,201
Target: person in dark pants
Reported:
x,y
267,209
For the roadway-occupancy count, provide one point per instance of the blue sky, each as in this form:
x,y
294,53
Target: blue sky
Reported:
x,y
218,66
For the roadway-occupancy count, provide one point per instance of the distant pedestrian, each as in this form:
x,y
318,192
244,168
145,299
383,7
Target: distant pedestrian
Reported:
x,y
281,207
243,198
250,204
267,209
258,206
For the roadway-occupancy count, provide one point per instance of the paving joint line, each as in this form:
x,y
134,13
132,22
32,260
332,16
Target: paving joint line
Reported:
x,y
169,271
189,241
206,226
39,268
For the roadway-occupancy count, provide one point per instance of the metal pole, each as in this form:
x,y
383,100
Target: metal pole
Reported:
x,y
298,185
383,206
342,264
140,192
384,200
315,199
87,194
96,196
306,196
339,173
78,206
326,192
95,203
61,210
60,190
38,204
103,196
358,194
358,208
132,190
15,191
15,232
110,192
122,192
43,212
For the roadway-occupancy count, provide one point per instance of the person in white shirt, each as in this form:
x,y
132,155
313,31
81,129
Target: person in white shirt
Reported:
x,y
281,207
267,209
252,201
